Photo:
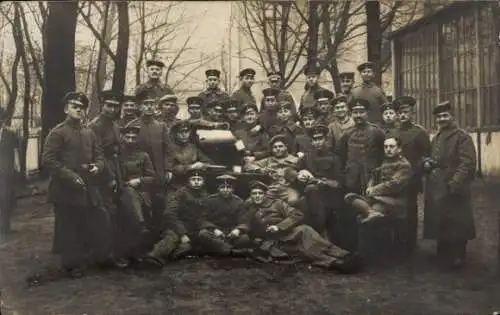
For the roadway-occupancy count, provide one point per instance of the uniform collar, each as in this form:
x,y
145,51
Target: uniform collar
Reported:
x,y
73,123
368,84
152,83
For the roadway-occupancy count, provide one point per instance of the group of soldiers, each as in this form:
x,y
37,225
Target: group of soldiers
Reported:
x,y
130,185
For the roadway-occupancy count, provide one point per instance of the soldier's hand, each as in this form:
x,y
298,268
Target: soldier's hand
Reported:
x,y
185,239
234,234
427,165
218,233
93,169
304,176
168,176
256,129
272,229
112,184
134,182
78,181
369,191
300,155
249,159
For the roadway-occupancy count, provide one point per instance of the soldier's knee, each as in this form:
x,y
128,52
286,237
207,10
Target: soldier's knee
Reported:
x,y
303,228
204,233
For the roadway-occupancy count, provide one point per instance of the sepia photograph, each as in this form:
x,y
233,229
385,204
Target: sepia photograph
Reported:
x,y
250,157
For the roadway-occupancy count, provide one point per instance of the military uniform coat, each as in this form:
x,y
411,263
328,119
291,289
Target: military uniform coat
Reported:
x,y
307,100
158,87
209,95
338,128
375,96
291,131
244,96
221,213
255,142
448,204
361,150
180,157
136,163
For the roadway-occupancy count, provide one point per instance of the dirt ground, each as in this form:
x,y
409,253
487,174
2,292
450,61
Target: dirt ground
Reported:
x,y
235,286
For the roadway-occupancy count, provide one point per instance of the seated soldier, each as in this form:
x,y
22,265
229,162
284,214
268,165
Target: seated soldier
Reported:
x,y
233,115
215,111
286,126
138,176
196,119
183,155
282,167
181,221
321,173
278,221
220,220
253,136
386,190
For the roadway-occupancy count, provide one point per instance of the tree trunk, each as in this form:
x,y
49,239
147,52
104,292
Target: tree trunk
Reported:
x,y
59,68
313,25
374,36
333,69
120,71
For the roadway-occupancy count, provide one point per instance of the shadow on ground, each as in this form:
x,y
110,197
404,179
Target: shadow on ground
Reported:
x,y
239,286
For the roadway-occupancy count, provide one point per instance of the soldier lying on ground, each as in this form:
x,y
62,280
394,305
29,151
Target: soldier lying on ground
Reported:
x,y
278,221
386,193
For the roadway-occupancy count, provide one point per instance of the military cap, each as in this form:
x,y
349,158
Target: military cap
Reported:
x,y
76,98
442,107
270,92
169,98
403,101
194,100
225,179
248,107
181,125
157,63
312,70
274,76
346,75
308,111
232,105
111,96
366,65
255,184
195,173
146,95
340,98
322,95
128,99
212,73
285,104
217,104
247,71
359,102
387,106
319,129
135,129
279,137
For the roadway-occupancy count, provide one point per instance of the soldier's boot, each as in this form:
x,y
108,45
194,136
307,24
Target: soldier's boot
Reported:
x,y
364,208
181,251
164,248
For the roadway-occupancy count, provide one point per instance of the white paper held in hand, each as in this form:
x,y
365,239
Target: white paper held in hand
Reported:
x,y
240,146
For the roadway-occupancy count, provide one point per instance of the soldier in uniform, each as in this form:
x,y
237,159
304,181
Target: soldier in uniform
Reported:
x,y
221,219
343,120
448,210
153,139
286,126
196,116
312,86
282,167
74,158
346,84
155,70
370,92
389,119
135,197
244,94
275,78
233,115
181,220
321,174
129,110
215,111
169,109
386,193
324,106
213,91
9,166
308,116
184,155
416,145
278,221
253,136
269,107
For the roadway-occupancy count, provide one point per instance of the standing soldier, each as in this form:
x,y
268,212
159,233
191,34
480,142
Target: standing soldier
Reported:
x,y
346,84
213,91
9,166
129,110
256,140
324,100
169,109
244,94
269,107
275,79
343,121
370,92
416,145
74,158
389,117
448,210
287,127
155,70
312,86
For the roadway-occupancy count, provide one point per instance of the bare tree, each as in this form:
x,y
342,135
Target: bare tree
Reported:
x,y
120,70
